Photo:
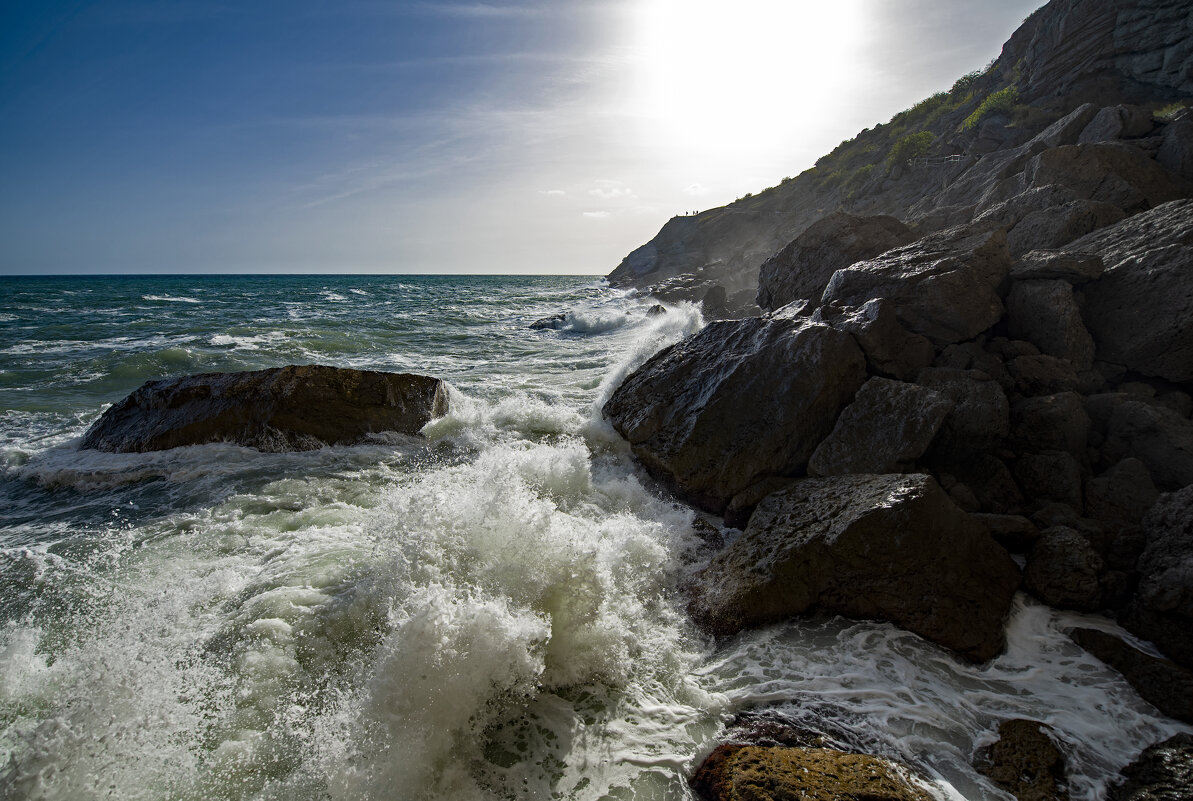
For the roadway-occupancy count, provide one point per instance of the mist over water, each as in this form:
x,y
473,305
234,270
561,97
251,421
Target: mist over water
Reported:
x,y
494,611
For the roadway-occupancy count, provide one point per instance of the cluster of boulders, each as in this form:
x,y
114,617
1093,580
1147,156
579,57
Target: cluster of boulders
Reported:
x,y
919,403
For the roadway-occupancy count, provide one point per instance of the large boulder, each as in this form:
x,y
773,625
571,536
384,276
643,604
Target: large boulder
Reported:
x,y
737,402
1050,422
1064,571
804,267
944,286
761,773
1122,176
1156,435
280,409
884,547
1054,226
888,426
890,349
1163,772
1162,610
1140,311
980,417
1045,313
1116,122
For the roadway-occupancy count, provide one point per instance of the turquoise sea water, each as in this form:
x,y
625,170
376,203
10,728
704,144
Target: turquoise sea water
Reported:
x,y
492,611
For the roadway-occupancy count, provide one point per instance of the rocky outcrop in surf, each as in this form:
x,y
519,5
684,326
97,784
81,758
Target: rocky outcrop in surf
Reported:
x,y
292,408
1010,263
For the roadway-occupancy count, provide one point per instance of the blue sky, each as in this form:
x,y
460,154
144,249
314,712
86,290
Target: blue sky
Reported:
x,y
393,136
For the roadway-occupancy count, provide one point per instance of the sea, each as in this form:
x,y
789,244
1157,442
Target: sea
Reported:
x,y
493,610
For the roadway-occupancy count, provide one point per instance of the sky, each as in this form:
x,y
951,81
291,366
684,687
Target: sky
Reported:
x,y
413,136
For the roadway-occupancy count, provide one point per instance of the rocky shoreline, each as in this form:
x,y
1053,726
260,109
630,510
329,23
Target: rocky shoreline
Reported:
x,y
957,365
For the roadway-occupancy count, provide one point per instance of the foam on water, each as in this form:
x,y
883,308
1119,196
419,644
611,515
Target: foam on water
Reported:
x,y
493,611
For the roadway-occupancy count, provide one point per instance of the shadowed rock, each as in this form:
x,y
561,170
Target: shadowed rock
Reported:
x,y
804,267
1163,683
1162,610
889,547
291,408
1025,762
739,401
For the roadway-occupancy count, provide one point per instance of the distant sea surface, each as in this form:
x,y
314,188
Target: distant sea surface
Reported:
x,y
492,611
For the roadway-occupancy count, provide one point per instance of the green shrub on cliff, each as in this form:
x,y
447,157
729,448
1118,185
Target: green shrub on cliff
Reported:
x,y
965,83
1002,101
910,147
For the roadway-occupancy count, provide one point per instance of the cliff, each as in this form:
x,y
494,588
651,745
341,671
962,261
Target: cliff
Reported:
x,y
932,165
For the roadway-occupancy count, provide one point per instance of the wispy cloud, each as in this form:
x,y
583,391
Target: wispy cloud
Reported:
x,y
552,192
611,190
596,215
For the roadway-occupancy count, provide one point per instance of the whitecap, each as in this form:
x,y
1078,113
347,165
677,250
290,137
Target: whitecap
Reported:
x,y
170,299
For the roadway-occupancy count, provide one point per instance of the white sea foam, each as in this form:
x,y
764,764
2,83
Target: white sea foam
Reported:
x,y
171,299
248,342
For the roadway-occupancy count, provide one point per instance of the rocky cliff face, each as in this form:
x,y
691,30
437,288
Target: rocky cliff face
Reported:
x,y
1132,53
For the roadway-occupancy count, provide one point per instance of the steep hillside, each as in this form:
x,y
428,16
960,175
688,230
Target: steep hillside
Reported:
x,y
949,157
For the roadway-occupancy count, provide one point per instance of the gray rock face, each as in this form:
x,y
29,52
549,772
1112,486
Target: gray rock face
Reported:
x,y
1121,176
1040,374
1064,571
1074,267
1157,436
980,417
740,401
944,286
1176,149
1162,610
1066,130
1045,314
281,409
1123,493
1162,683
1163,772
890,547
1055,226
1140,311
1050,476
804,267
890,349
888,426
1116,122
1050,422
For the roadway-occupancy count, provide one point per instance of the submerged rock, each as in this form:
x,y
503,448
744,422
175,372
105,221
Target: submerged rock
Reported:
x,y
553,323
883,547
758,773
1025,762
739,401
290,408
1161,682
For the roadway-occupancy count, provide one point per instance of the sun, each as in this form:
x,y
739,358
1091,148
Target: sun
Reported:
x,y
714,77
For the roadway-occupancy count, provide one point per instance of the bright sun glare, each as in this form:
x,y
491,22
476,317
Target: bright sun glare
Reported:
x,y
718,77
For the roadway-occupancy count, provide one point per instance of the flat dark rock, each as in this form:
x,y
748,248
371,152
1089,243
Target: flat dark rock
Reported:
x,y
292,408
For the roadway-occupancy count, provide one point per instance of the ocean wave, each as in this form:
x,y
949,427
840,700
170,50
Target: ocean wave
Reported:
x,y
171,299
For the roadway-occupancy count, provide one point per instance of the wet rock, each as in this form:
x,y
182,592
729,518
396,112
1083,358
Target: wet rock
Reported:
x,y
1050,422
1074,267
889,347
1162,610
1161,682
1045,314
1140,311
1121,176
657,310
758,773
1025,762
1163,772
944,286
1124,492
280,409
1064,571
804,267
885,429
890,547
739,401
553,323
